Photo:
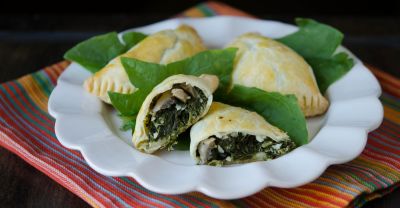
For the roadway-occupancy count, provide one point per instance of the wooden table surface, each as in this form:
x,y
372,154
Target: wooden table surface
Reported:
x,y
29,42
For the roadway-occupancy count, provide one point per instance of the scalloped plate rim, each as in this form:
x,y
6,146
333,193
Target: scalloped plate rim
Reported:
x,y
200,183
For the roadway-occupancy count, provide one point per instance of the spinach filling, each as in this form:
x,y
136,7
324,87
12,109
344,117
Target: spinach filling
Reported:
x,y
239,147
173,112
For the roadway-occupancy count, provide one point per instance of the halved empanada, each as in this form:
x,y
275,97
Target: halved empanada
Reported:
x,y
271,66
172,107
230,135
162,47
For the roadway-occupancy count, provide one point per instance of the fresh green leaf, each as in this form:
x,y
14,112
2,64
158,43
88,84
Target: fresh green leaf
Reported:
x,y
126,104
146,76
280,110
132,38
330,69
128,122
317,43
216,62
96,52
313,39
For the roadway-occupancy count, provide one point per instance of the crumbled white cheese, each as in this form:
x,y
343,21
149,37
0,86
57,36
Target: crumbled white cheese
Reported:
x,y
276,146
234,134
218,135
260,156
260,138
155,135
220,150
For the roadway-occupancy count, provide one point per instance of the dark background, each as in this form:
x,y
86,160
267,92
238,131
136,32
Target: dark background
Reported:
x,y
37,36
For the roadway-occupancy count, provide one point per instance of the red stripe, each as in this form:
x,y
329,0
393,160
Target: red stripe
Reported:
x,y
379,158
48,173
362,175
27,104
314,196
257,202
284,193
391,128
389,149
52,76
85,172
21,116
143,192
336,193
385,138
52,144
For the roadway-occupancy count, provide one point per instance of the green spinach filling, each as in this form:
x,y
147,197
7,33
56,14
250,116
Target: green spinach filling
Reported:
x,y
239,147
175,114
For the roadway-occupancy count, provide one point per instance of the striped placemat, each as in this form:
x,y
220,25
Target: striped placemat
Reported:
x,y
27,129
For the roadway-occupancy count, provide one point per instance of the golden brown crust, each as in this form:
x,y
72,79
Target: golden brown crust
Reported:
x,y
162,47
223,119
269,65
140,137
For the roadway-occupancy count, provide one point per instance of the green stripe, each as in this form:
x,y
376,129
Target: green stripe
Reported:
x,y
43,83
148,192
390,103
205,10
16,108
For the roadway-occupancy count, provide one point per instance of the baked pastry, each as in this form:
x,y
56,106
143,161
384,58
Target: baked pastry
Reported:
x,y
172,107
162,47
271,66
230,135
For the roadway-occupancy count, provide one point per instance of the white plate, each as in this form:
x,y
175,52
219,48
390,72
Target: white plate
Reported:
x,y
84,123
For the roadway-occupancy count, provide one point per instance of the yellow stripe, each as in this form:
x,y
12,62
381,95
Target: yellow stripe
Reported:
x,y
322,194
391,114
193,13
382,168
308,198
330,181
331,189
289,202
221,203
34,92
335,174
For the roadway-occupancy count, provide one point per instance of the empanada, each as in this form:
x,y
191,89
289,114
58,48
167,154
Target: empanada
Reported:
x,y
271,66
172,107
162,47
230,135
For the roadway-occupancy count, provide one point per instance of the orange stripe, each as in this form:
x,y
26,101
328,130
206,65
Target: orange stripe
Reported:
x,y
273,192
194,12
385,76
223,9
34,92
388,82
382,170
321,193
329,191
221,203
305,198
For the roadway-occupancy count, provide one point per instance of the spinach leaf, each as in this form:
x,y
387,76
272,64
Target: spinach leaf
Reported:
x,y
317,43
124,103
328,70
132,38
280,110
128,122
145,76
94,53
